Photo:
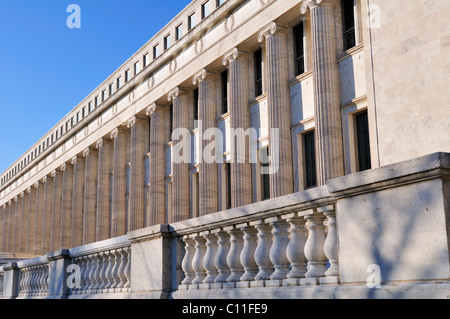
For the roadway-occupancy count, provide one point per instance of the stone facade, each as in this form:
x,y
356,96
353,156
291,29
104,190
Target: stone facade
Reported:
x,y
252,77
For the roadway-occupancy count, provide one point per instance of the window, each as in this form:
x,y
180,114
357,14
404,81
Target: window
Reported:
x,y
119,82
167,42
111,89
146,60
137,67
178,32
309,150
205,9
196,108
228,186
103,95
348,20
78,120
155,51
220,2
83,112
265,176
195,195
362,141
96,101
171,121
127,75
258,72
89,109
224,85
299,49
191,21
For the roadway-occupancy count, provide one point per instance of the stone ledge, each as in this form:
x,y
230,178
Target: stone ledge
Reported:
x,y
422,168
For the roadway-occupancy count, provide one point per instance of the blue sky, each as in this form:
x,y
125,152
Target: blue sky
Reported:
x,y
48,68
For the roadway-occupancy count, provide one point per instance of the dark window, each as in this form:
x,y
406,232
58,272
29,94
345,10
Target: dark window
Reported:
x,y
195,107
265,177
310,159
363,144
228,172
299,49
348,20
224,77
258,72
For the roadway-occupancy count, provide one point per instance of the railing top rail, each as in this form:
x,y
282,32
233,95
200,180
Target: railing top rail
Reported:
x,y
105,245
42,260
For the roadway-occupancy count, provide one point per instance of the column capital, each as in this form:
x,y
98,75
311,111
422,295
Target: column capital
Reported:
x,y
271,29
132,121
234,54
88,150
153,108
44,179
36,185
16,199
99,143
53,173
65,165
310,4
22,194
114,133
203,75
176,92
29,189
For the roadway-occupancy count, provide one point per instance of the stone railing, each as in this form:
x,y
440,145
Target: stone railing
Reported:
x,y
283,250
103,269
376,234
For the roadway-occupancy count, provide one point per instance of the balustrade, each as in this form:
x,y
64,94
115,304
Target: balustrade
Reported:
x,y
33,280
290,249
104,272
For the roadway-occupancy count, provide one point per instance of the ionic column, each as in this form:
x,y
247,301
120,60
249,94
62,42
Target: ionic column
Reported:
x,y
279,109
55,231
136,216
31,205
157,115
17,225
328,131
2,227
39,213
25,229
8,241
66,206
47,214
180,173
103,218
79,164
208,187
119,180
241,183
90,195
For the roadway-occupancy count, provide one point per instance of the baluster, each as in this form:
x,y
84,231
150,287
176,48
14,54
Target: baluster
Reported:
x,y
208,261
295,251
87,273
127,267
97,273
331,243
22,280
317,261
234,255
197,261
102,272
91,274
108,271
122,267
115,271
248,252
45,283
262,252
278,251
186,264
32,281
223,247
38,280
43,280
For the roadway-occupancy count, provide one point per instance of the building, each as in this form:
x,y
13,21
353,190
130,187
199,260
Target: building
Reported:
x,y
349,101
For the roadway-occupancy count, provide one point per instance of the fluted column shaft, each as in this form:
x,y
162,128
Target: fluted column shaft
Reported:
x,y
55,231
90,195
2,227
180,173
25,229
328,131
79,165
47,215
8,241
31,206
208,186
241,183
136,216
119,180
279,109
37,241
17,224
66,206
157,115
103,215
